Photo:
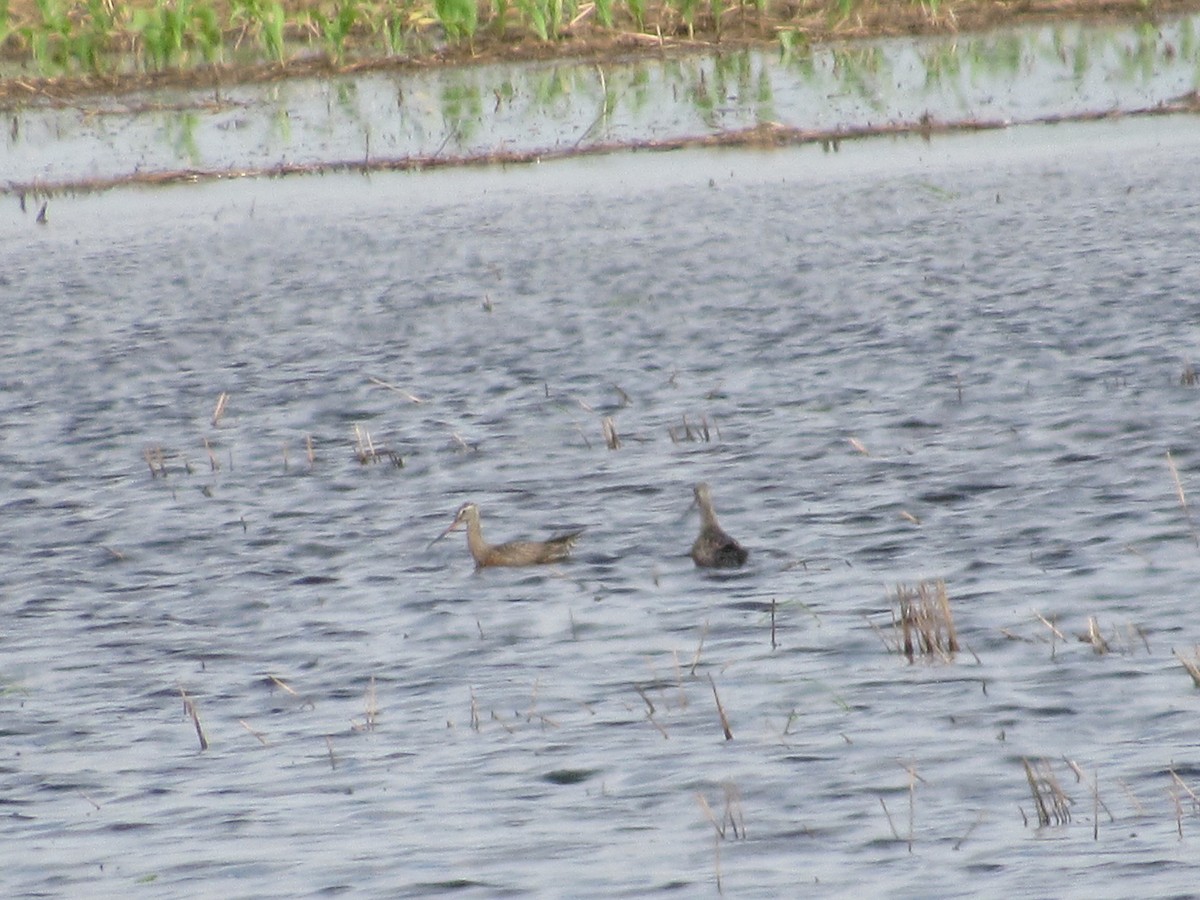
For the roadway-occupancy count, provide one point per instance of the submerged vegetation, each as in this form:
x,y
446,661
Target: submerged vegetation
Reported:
x,y
87,38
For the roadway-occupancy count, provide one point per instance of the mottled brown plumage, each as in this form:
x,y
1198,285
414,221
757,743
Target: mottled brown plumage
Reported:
x,y
511,553
714,549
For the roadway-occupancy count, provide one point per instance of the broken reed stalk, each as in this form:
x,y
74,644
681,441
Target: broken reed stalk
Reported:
x,y
699,647
1187,514
924,620
721,710
308,448
650,712
391,387
219,410
1192,666
283,685
774,644
1052,804
189,709
612,440
257,734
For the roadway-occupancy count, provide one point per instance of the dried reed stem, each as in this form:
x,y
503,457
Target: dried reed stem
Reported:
x,y
720,710
370,709
189,709
1182,499
257,734
283,685
219,409
891,824
1094,637
611,438
1054,633
391,387
699,647
214,464
1192,666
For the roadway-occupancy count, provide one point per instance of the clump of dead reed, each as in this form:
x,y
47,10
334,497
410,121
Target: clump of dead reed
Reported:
x,y
1049,799
156,458
367,452
923,621
1189,377
690,432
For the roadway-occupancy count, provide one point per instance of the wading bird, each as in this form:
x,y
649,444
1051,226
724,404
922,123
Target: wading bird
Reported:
x,y
511,553
714,549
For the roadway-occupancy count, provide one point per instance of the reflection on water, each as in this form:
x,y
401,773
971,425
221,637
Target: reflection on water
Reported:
x,y
1012,76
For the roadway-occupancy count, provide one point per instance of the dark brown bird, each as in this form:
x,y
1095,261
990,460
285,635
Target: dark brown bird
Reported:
x,y
714,549
511,553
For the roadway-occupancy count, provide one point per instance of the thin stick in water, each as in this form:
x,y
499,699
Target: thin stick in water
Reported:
x,y
721,710
1182,499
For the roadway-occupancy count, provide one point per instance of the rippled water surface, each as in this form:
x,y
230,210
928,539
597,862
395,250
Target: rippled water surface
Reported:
x,y
1000,322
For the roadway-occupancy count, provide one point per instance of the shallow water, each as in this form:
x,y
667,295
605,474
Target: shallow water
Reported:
x,y
1001,321
1012,76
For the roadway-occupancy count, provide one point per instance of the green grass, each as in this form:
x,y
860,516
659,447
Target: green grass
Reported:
x,y
64,37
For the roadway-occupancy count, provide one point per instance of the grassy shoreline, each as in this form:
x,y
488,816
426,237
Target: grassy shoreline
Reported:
x,y
59,47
